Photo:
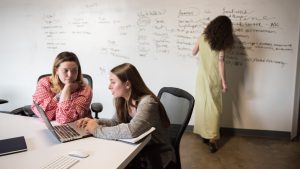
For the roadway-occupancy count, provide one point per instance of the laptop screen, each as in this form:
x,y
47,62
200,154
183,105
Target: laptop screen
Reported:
x,y
45,118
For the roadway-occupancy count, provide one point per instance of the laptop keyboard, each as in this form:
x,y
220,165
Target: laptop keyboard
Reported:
x,y
66,132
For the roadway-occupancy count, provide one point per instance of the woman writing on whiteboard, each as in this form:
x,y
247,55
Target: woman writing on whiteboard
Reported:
x,y
64,95
211,82
137,110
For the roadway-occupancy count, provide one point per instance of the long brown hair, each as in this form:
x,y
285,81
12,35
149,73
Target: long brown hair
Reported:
x,y
127,72
56,84
218,33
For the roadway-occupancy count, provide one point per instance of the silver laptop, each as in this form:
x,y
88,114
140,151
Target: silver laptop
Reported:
x,y
63,132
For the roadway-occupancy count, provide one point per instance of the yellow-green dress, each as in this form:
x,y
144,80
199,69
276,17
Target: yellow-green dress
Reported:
x,y
208,104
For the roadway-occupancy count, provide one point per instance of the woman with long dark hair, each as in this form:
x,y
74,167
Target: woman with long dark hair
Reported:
x,y
211,82
137,110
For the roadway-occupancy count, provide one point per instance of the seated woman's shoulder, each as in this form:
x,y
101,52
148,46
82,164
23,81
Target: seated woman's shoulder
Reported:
x,y
148,99
45,80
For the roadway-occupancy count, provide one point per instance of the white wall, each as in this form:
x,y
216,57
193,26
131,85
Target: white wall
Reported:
x,y
157,37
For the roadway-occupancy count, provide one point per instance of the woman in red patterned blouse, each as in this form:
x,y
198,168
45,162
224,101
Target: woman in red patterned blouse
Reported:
x,y
64,95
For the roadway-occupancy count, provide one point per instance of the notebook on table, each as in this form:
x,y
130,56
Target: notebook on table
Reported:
x,y
63,132
139,138
12,145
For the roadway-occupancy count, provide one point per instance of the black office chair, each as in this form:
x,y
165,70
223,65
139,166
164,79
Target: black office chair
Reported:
x,y
179,106
26,110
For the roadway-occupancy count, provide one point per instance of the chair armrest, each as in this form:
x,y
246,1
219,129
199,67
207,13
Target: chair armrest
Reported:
x,y
3,101
18,111
97,108
27,110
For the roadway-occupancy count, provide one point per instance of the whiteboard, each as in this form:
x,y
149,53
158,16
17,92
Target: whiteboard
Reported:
x,y
157,37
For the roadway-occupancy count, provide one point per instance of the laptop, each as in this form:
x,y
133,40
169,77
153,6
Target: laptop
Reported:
x,y
64,132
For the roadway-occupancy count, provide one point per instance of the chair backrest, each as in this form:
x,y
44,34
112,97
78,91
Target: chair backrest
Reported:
x,y
87,78
179,106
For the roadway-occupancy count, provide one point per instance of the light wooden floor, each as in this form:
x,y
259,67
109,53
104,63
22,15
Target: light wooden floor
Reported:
x,y
237,152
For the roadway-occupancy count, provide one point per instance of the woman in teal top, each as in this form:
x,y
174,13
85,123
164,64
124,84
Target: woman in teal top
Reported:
x,y
216,38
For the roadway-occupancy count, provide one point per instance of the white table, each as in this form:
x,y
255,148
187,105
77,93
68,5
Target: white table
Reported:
x,y
43,147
